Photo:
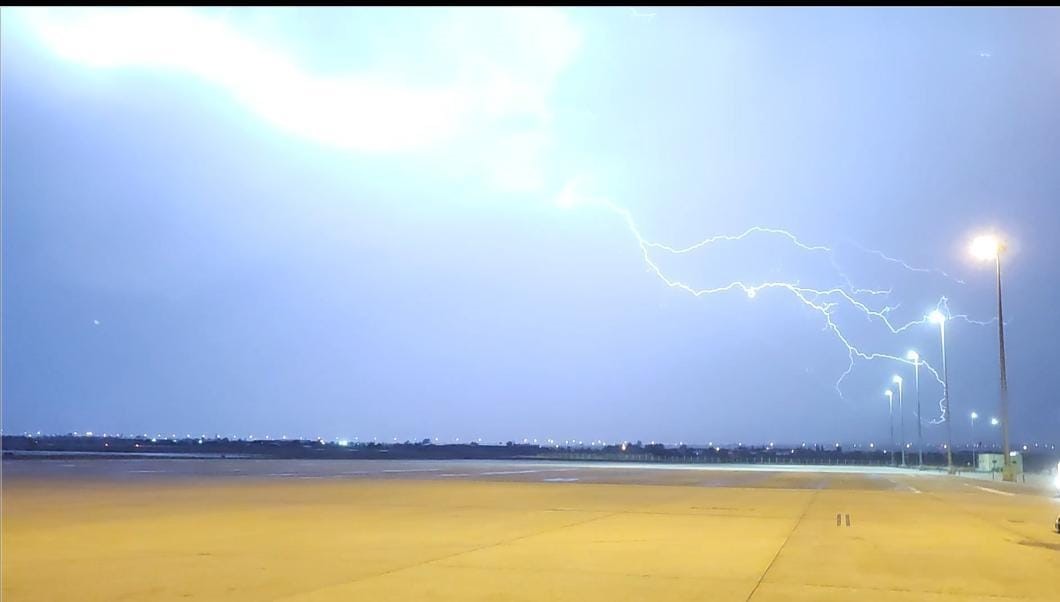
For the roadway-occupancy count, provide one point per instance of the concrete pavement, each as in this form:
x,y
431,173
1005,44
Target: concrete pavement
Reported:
x,y
188,529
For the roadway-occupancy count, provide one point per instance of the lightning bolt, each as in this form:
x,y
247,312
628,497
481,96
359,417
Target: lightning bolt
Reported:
x,y
824,302
905,265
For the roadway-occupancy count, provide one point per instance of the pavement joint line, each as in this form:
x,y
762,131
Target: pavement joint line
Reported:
x,y
475,549
584,571
903,590
798,522
702,514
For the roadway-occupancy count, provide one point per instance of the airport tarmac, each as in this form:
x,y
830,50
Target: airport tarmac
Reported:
x,y
152,529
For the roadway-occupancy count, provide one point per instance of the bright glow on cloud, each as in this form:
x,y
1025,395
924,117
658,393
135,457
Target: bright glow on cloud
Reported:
x,y
503,63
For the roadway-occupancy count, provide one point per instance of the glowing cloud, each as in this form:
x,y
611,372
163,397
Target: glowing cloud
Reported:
x,y
485,79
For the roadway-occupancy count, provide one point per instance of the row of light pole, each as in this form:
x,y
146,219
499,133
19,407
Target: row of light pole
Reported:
x,y
913,355
984,248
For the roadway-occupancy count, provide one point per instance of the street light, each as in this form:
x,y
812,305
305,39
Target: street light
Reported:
x,y
939,318
890,414
913,355
985,248
973,416
901,414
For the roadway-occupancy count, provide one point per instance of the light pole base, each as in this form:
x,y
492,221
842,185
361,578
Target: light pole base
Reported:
x,y
1008,473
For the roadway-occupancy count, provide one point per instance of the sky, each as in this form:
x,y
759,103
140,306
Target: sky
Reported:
x,y
483,223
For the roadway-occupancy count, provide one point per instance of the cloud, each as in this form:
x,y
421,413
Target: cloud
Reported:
x,y
499,67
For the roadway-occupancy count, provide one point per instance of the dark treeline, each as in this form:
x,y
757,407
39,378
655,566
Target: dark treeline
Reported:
x,y
58,446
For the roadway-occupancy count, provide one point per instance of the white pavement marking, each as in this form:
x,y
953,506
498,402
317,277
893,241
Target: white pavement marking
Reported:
x,y
497,472
560,479
911,488
994,491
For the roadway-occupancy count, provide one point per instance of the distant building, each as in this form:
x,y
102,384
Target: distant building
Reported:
x,y
995,462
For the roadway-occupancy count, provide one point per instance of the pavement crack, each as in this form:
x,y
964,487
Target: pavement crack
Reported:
x,y
478,548
798,522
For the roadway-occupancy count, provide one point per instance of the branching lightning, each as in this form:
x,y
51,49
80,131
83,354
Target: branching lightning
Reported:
x,y
905,265
822,301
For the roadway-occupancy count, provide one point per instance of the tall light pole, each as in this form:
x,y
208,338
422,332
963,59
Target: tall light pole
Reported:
x,y
974,415
989,247
993,422
939,318
913,355
890,418
901,414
